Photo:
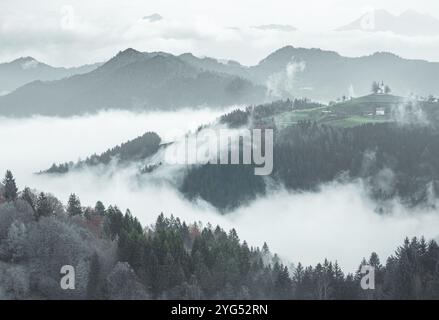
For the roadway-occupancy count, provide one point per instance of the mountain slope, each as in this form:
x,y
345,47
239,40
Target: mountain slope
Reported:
x,y
135,80
326,75
17,73
209,64
137,149
408,23
132,80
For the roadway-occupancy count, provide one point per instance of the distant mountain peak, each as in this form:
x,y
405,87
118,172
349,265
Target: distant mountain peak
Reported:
x,y
408,23
276,27
385,54
153,17
285,54
122,58
26,63
24,59
26,69
411,13
290,48
128,52
188,55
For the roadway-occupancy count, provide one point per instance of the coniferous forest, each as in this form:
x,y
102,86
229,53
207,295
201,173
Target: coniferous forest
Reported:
x,y
118,258
205,151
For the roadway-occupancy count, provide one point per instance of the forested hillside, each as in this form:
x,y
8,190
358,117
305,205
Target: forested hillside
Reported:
x,y
137,149
132,80
115,257
24,70
396,161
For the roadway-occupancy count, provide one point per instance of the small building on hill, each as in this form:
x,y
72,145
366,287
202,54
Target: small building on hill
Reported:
x,y
380,111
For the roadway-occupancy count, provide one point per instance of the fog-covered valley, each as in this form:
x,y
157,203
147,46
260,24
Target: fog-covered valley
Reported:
x,y
339,221
202,151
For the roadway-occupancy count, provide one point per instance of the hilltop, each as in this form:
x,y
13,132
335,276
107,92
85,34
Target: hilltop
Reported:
x,y
372,108
134,80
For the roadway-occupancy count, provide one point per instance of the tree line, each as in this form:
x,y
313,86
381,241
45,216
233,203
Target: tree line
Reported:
x,y
117,258
394,162
137,149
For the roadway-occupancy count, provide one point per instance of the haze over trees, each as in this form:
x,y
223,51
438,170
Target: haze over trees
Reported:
x,y
393,160
10,192
132,81
137,149
140,81
386,143
117,258
24,70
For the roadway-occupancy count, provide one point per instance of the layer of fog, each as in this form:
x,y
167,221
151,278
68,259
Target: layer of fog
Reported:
x,y
33,144
75,35
339,222
409,112
281,84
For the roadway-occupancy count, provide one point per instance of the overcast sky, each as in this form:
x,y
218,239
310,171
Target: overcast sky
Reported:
x,y
83,31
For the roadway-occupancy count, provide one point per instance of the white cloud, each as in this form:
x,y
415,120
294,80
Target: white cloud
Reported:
x,y
71,138
276,27
68,18
337,222
282,84
153,17
64,33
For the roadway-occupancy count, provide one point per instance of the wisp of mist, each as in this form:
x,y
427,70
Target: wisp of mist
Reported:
x,y
338,222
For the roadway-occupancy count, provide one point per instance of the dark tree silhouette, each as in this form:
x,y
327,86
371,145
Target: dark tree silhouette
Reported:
x,y
74,206
10,191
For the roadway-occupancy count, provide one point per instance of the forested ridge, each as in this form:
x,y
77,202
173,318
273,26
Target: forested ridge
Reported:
x,y
139,148
117,258
395,161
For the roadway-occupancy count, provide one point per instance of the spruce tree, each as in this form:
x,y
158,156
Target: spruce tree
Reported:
x,y
374,261
29,197
74,206
100,208
11,190
375,87
43,206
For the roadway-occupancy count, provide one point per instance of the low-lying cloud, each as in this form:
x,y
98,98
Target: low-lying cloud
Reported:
x,y
83,34
409,112
338,222
282,84
35,143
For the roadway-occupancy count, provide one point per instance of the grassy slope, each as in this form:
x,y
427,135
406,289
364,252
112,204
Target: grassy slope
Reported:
x,y
346,114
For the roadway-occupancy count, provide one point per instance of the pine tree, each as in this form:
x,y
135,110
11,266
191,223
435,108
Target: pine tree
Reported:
x,y
375,87
283,283
30,198
93,282
74,206
298,273
265,248
387,89
374,261
43,206
11,190
100,208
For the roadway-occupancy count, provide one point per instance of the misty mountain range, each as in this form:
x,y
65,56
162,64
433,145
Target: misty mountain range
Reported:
x,y
408,23
23,70
327,75
276,27
134,80
394,161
